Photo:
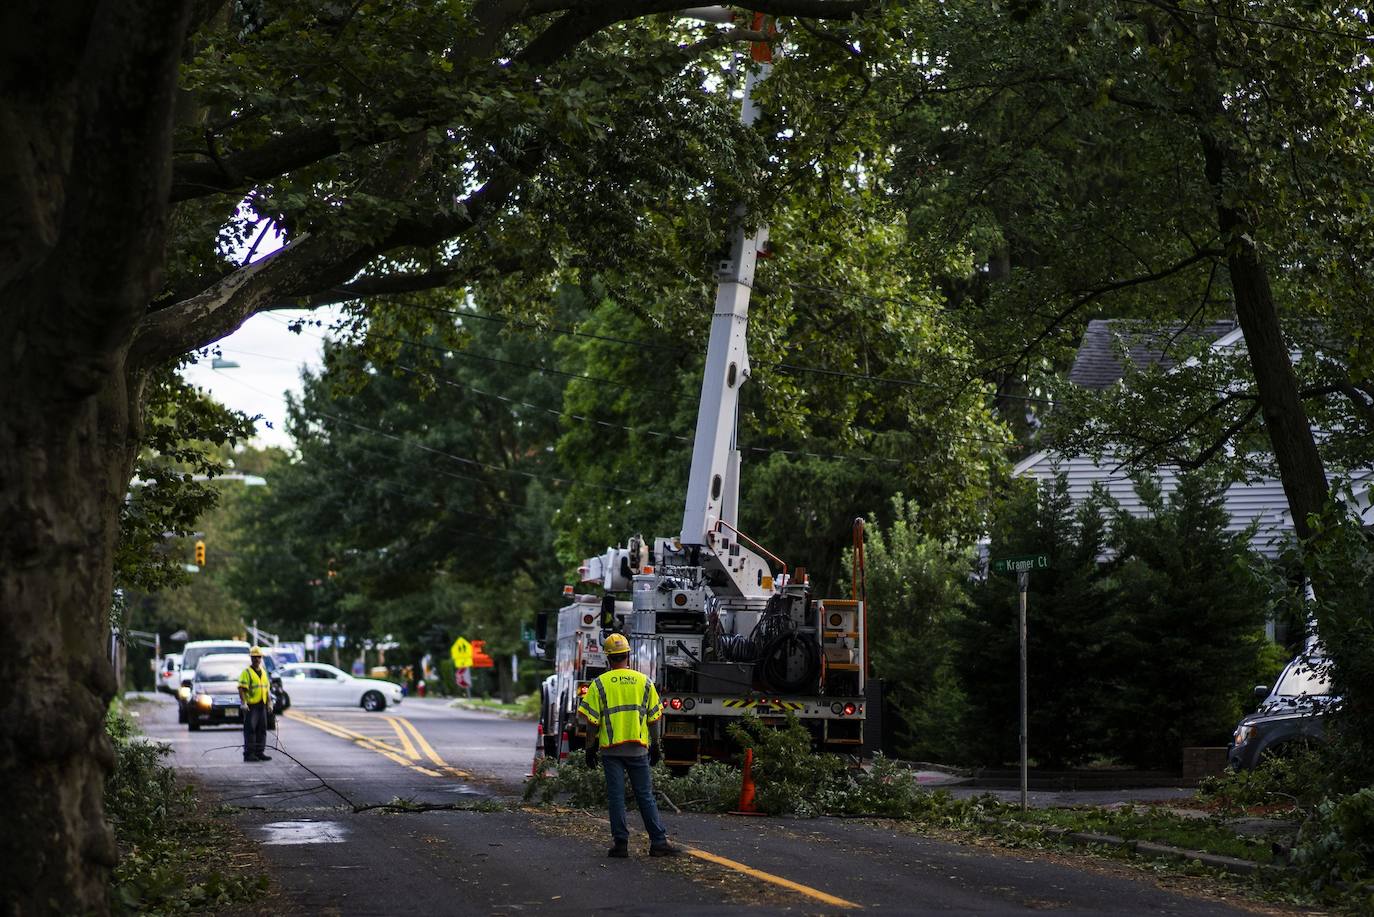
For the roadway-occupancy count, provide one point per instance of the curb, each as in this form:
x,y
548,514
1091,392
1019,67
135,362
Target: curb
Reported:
x,y
1233,865
459,704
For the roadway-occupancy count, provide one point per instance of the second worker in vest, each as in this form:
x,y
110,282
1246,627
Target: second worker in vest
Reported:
x,y
620,706
255,689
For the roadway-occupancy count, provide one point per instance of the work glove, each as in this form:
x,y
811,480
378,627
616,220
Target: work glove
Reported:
x,y
590,754
654,754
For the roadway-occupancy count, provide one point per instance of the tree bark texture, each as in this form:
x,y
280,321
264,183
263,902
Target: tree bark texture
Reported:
x,y
86,97
1300,466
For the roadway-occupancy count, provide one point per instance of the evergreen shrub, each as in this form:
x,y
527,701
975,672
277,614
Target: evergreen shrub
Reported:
x,y
1145,635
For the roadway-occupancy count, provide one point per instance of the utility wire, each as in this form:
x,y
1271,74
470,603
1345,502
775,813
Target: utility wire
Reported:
x,y
1214,13
608,424
783,366
439,452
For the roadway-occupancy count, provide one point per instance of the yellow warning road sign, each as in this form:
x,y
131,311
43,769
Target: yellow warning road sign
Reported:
x,y
461,651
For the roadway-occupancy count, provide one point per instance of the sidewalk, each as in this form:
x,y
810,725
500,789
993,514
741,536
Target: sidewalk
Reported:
x,y
963,785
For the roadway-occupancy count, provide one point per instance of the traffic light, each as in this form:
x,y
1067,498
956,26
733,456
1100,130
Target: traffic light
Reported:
x,y
200,553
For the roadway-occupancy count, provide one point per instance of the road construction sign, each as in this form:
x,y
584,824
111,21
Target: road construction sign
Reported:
x,y
461,651
480,659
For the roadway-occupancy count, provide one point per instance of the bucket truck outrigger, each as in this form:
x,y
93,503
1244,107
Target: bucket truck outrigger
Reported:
x,y
723,627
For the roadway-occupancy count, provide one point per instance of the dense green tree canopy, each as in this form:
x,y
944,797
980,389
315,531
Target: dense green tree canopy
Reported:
x,y
1174,162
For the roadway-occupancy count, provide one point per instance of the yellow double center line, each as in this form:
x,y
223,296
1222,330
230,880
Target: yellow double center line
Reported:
x,y
413,745
407,754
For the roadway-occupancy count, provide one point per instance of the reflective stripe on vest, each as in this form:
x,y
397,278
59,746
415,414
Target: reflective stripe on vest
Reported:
x,y
625,711
256,683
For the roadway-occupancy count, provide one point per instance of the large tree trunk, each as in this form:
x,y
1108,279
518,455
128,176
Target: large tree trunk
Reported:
x,y
1285,419
86,95
64,468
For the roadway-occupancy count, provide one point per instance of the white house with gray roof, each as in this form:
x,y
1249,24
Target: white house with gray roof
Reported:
x,y
1098,365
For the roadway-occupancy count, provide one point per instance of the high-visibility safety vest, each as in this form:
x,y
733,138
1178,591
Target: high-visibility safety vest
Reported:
x,y
257,684
622,702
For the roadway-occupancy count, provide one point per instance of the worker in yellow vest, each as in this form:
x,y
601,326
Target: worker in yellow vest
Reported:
x,y
620,706
254,696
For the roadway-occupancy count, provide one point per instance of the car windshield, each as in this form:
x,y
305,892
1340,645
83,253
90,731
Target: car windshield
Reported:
x,y
194,656
219,670
1304,678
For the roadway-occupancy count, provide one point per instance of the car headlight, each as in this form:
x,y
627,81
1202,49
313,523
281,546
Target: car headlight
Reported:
x,y
204,700
1243,734
184,692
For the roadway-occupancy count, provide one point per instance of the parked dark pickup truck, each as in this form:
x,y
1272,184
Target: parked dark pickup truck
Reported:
x,y
1290,716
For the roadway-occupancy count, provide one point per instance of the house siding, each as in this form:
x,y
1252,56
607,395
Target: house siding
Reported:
x,y
1261,503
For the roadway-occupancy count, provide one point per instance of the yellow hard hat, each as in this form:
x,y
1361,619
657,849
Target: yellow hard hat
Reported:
x,y
255,651
616,645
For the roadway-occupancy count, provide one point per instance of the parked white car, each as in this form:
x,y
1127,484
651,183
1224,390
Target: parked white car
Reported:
x,y
314,684
169,673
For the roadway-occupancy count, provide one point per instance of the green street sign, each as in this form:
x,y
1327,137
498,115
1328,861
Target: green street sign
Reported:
x,y
527,632
1021,563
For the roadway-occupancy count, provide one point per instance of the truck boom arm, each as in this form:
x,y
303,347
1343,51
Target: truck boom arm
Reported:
x,y
713,482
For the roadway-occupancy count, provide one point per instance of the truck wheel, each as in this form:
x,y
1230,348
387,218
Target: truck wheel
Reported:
x,y
373,701
550,738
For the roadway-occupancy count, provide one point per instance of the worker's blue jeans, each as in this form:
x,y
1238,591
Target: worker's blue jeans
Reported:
x,y
642,780
254,731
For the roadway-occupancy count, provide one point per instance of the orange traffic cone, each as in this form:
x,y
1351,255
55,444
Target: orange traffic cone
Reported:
x,y
746,787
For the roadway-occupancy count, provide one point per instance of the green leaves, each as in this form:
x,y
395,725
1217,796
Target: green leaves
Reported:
x,y
185,435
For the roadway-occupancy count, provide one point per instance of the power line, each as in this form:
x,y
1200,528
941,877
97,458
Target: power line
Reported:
x,y
447,351
1255,20
784,366
455,458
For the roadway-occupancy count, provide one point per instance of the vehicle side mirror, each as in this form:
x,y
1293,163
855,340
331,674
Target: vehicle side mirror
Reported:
x,y
541,626
1261,692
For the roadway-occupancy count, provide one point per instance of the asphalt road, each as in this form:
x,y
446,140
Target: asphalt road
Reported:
x,y
501,858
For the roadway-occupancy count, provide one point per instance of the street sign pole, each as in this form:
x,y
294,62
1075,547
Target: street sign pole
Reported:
x,y
1022,586
1022,565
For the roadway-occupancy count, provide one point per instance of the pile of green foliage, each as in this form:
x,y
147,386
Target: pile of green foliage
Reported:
x,y
1336,849
1293,780
789,777
708,787
164,842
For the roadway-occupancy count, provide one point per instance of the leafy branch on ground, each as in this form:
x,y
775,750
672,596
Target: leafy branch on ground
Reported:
x,y
167,838
1333,851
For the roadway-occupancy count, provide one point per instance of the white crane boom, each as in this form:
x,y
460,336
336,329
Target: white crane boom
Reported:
x,y
713,482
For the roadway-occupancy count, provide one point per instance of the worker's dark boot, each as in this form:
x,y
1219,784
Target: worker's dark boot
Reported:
x,y
620,850
664,850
